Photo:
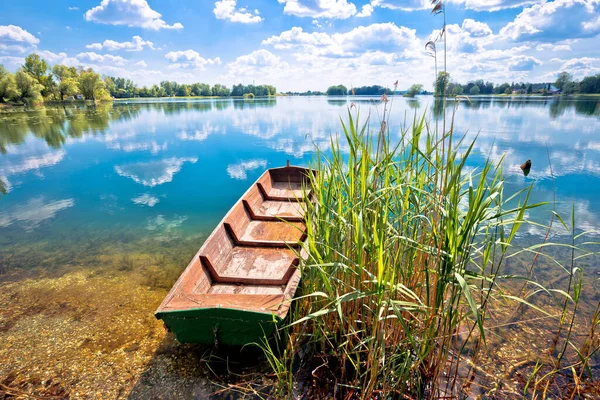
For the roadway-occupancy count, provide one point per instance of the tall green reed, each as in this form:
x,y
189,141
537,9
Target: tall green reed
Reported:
x,y
405,244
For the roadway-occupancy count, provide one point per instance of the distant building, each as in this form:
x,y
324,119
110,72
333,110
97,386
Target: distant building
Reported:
x,y
553,90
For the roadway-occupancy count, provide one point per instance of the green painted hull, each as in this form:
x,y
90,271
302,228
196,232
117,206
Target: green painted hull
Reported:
x,y
222,326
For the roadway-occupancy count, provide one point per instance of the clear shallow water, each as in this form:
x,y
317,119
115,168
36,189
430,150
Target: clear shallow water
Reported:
x,y
179,165
106,205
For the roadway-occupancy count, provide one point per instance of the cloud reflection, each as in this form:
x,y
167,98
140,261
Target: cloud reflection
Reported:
x,y
146,200
153,173
239,171
34,212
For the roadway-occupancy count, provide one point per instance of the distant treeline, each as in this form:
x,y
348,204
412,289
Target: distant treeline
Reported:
x,y
36,82
341,90
307,93
120,88
564,84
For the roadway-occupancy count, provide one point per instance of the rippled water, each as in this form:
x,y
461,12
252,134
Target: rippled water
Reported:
x,y
105,205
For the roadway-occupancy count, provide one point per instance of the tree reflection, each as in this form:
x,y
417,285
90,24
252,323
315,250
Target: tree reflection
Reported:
x,y
252,103
437,109
56,124
337,102
583,107
414,103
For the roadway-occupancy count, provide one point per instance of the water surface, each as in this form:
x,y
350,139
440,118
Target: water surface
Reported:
x,y
105,205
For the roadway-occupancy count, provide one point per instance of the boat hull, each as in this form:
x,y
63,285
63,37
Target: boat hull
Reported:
x,y
219,326
240,284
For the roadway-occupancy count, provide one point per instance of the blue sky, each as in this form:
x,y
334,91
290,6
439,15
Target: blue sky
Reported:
x,y
305,44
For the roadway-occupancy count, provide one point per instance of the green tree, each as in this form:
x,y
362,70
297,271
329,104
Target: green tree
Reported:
x,y
339,90
500,89
441,84
220,90
205,89
562,79
570,87
457,90
474,90
530,89
35,66
8,86
38,68
28,88
90,85
110,85
489,88
414,90
184,90
67,81
590,84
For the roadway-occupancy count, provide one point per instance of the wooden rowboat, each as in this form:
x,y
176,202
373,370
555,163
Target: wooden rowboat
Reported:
x,y
244,276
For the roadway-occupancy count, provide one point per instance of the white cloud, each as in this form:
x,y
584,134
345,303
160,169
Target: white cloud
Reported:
x,y
366,11
476,28
240,170
153,173
477,5
141,63
58,58
553,47
555,21
12,60
258,64
96,58
385,37
493,5
13,48
226,9
523,63
146,200
579,67
336,9
136,44
13,33
470,37
190,59
14,39
73,8
132,13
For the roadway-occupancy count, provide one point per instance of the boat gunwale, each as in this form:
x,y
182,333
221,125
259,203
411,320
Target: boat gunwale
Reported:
x,y
177,287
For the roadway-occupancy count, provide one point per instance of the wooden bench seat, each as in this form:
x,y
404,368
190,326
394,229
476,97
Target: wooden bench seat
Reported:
x,y
275,190
246,232
261,209
252,266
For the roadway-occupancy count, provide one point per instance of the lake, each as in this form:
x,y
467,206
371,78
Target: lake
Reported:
x,y
106,205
